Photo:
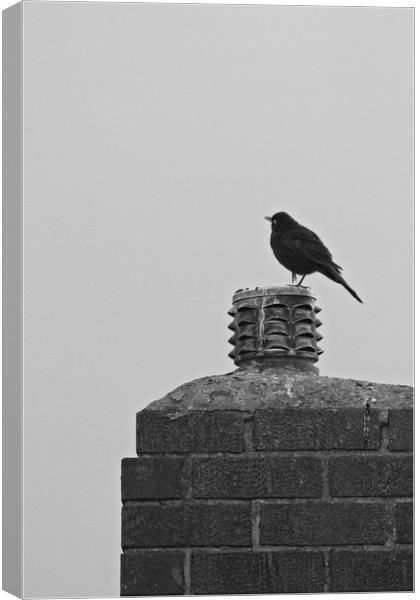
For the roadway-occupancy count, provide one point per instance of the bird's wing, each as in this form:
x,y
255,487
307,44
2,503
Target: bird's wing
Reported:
x,y
306,243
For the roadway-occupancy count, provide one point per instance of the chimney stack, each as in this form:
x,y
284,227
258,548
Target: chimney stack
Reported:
x,y
272,478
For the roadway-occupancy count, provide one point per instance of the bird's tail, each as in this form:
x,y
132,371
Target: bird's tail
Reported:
x,y
334,274
348,288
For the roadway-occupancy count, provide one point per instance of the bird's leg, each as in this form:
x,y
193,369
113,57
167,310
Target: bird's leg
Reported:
x,y
294,277
300,282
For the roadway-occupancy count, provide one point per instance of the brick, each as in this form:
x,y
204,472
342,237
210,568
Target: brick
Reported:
x,y
256,477
257,572
371,476
187,524
322,523
400,429
151,478
157,573
371,571
404,522
315,429
192,431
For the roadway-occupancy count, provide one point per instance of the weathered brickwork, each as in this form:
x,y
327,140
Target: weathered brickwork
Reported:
x,y
295,499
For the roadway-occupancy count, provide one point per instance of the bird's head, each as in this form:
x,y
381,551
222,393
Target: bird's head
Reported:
x,y
280,220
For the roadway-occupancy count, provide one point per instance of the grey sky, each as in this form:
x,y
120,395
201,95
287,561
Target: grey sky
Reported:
x,y
156,139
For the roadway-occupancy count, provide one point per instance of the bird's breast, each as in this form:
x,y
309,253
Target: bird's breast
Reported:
x,y
289,258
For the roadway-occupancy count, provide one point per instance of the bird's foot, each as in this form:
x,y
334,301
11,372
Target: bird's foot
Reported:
x,y
300,282
294,277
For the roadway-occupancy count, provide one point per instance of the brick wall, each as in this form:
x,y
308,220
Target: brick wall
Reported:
x,y
288,499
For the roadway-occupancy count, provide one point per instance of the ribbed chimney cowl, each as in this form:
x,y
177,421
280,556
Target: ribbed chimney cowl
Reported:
x,y
275,326
271,478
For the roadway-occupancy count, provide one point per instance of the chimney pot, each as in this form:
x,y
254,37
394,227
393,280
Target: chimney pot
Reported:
x,y
275,327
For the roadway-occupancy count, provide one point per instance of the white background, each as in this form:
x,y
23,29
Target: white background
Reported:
x,y
333,207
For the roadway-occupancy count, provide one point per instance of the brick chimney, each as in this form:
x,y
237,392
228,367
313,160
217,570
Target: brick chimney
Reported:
x,y
270,479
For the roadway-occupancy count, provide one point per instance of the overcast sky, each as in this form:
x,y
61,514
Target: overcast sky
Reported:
x,y
156,139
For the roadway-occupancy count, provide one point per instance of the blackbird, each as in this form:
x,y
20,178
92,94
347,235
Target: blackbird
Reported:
x,y
301,251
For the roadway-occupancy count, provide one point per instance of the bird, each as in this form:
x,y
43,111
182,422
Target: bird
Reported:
x,y
302,252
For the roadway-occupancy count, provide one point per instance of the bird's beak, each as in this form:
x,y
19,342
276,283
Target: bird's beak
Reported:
x,y
268,219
